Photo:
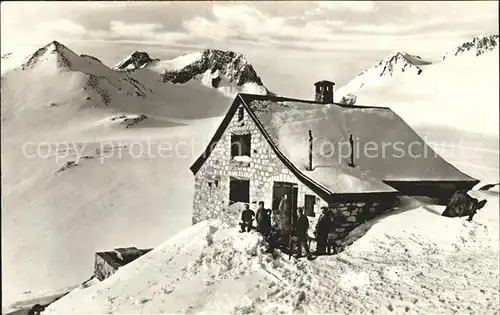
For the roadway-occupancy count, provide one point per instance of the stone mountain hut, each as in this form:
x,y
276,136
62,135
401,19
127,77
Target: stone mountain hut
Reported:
x,y
318,152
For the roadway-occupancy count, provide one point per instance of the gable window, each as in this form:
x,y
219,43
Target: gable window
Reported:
x,y
240,145
310,200
241,112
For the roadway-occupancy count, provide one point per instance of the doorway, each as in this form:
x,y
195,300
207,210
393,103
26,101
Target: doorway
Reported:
x,y
291,189
309,201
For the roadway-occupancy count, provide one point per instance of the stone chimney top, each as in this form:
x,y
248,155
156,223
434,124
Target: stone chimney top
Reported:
x,y
324,91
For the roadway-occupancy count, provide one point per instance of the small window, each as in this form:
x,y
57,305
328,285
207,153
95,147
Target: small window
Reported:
x,y
241,112
240,145
310,200
239,190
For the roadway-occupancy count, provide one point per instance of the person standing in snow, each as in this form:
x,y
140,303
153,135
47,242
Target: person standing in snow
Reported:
x,y
261,211
247,217
265,223
321,231
267,230
301,227
284,217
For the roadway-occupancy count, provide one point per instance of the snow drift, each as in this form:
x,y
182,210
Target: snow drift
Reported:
x,y
402,264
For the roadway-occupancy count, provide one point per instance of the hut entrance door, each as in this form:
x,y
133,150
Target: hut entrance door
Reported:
x,y
291,190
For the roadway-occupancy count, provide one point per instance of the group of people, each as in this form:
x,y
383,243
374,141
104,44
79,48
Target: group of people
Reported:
x,y
323,228
263,218
277,226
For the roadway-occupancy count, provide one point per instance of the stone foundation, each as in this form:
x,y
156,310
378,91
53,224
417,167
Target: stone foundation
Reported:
x,y
350,215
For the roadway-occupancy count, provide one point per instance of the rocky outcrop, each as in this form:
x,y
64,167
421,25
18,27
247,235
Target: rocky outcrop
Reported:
x,y
462,205
478,46
136,60
221,64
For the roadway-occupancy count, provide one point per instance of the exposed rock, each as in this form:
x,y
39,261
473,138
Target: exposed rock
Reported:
x,y
480,45
136,60
489,186
225,63
349,99
461,205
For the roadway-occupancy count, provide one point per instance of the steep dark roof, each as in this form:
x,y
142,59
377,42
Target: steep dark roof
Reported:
x,y
285,123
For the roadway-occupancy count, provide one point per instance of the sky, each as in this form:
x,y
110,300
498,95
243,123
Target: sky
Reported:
x,y
291,44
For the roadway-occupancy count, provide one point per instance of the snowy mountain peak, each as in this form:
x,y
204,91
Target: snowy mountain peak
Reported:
x,y
477,46
215,68
226,71
136,60
399,62
63,56
395,64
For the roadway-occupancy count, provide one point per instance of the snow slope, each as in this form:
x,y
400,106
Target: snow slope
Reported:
x,y
76,198
459,92
402,264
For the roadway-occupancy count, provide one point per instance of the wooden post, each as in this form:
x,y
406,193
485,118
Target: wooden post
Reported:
x,y
351,142
310,150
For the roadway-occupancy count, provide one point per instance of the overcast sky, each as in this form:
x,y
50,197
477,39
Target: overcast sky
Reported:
x,y
290,44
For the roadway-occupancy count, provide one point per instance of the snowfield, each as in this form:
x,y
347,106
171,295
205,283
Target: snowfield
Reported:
x,y
410,261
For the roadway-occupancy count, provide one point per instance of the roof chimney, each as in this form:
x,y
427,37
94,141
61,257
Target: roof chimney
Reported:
x,y
324,91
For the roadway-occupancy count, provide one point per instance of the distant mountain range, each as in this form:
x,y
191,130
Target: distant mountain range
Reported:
x,y
81,87
193,85
400,62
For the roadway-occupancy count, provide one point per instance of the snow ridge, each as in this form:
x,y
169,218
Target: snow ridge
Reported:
x,y
479,45
398,62
387,68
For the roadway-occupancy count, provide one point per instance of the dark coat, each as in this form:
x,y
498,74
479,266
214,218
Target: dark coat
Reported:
x,y
324,225
265,222
260,214
301,225
247,215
